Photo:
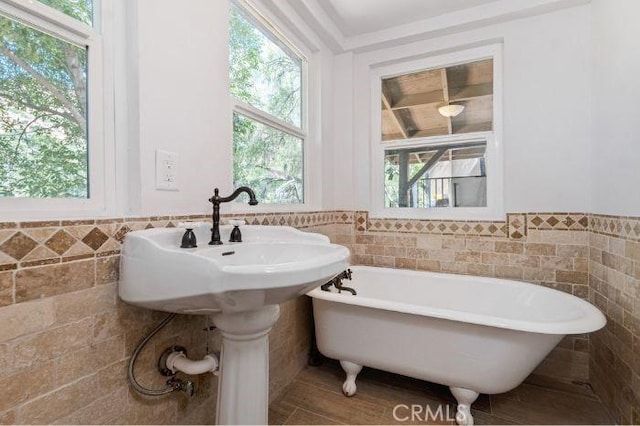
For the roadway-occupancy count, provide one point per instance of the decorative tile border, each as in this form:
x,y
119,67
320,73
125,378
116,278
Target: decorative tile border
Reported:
x,y
296,219
558,221
626,227
442,227
361,221
28,244
497,229
517,226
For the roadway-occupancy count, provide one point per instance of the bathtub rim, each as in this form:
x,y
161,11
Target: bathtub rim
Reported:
x,y
591,320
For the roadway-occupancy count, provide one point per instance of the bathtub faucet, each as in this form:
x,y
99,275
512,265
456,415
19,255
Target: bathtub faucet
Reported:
x,y
337,283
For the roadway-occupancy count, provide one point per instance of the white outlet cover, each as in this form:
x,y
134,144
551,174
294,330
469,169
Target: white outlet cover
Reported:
x,y
166,170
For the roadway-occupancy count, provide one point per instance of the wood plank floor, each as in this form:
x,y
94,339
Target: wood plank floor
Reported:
x,y
315,397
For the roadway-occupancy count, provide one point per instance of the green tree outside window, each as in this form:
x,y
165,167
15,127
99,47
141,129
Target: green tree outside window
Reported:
x,y
265,75
43,110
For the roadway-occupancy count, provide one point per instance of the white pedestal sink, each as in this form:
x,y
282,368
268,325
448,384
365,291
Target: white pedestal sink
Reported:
x,y
240,285
244,377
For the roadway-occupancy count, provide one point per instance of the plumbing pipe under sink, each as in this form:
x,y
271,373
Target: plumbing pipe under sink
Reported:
x,y
178,361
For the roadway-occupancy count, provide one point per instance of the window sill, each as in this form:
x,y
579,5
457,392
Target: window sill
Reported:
x,y
25,209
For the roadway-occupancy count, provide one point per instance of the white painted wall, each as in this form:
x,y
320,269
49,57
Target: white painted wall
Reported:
x,y
560,70
182,103
615,161
325,146
179,102
343,173
547,61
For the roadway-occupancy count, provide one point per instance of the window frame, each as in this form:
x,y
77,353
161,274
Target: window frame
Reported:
x,y
100,112
494,151
306,130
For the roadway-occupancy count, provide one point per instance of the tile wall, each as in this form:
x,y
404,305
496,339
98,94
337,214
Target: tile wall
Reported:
x,y
594,257
549,249
614,281
65,337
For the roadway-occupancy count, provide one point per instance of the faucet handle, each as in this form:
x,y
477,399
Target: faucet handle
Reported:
x,y
189,239
347,274
236,235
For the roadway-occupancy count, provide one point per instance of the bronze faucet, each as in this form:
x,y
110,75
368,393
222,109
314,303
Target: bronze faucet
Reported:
x,y
337,283
216,200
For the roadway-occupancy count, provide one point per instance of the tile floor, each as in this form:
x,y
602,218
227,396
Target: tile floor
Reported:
x,y
315,397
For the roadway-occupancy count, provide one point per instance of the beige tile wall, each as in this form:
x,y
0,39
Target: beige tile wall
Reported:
x,y
66,338
615,288
592,256
549,249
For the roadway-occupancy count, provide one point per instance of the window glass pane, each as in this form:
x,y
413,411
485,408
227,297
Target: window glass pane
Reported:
x,y
268,161
263,72
412,103
43,110
441,176
82,10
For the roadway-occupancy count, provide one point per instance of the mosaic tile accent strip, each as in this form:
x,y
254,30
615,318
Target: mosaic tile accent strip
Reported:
x,y
39,243
626,227
517,226
28,244
441,227
18,246
295,219
362,221
558,221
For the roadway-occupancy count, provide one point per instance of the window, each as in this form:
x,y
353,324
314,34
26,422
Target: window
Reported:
x,y
451,175
269,137
438,150
51,106
82,10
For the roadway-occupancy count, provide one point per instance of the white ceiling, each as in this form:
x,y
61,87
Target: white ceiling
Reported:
x,y
355,17
365,25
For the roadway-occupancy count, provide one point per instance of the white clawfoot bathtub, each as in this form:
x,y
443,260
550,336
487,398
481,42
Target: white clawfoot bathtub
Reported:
x,y
473,334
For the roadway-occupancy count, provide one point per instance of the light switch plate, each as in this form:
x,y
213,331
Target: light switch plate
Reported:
x,y
166,170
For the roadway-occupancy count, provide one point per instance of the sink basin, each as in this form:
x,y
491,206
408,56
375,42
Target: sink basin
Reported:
x,y
273,264
240,285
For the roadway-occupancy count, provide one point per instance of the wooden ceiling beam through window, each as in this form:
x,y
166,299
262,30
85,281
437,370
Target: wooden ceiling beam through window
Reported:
x,y
386,100
445,94
410,101
456,94
425,149
431,132
465,93
418,99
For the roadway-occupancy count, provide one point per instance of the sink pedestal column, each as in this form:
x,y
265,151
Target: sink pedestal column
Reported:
x,y
243,387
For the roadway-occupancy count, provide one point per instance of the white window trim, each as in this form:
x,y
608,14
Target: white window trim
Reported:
x,y
495,157
309,118
256,114
100,121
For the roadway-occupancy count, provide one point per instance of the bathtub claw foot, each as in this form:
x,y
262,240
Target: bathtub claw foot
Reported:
x,y
465,398
349,386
